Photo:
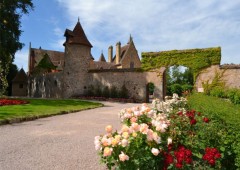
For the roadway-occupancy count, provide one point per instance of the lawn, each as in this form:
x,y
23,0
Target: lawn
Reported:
x,y
42,108
214,106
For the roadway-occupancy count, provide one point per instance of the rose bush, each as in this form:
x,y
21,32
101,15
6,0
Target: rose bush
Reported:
x,y
165,135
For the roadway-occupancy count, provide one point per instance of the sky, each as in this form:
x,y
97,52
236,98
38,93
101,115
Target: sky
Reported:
x,y
155,25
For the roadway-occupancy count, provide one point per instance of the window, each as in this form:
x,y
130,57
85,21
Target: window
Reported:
x,y
20,86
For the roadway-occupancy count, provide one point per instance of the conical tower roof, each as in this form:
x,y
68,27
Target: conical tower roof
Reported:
x,y
102,58
77,36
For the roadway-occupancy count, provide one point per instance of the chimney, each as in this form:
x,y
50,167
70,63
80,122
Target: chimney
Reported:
x,y
110,54
118,52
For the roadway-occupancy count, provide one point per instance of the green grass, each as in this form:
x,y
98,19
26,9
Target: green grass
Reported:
x,y
43,108
226,112
214,106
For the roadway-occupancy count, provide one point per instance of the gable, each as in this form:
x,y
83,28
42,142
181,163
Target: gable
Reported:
x,y
131,56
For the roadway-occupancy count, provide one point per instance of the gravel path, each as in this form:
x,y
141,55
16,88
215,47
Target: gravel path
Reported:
x,y
62,142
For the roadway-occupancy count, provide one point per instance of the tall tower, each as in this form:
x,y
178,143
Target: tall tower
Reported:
x,y
77,61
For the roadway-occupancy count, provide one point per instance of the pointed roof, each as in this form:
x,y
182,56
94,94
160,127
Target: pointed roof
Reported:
x,y
130,39
20,77
102,58
77,36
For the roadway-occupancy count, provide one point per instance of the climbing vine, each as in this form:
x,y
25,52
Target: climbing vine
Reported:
x,y
196,59
45,65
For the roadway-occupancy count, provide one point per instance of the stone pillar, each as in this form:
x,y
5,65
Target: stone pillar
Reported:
x,y
110,54
118,52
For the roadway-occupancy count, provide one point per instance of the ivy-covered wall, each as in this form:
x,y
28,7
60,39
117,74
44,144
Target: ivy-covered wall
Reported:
x,y
196,59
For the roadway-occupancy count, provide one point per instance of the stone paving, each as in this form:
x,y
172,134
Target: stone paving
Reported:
x,y
64,142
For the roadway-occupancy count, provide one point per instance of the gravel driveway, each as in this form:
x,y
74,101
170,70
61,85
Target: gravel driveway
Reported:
x,y
63,142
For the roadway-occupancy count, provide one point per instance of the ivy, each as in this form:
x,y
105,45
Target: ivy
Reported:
x,y
196,59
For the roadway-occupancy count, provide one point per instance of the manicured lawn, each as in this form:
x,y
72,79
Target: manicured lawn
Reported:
x,y
214,106
42,108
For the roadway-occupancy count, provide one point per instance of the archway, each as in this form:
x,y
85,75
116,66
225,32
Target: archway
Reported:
x,y
195,59
179,80
149,92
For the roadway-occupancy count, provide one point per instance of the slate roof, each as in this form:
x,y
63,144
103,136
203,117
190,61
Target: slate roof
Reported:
x,y
123,51
103,65
56,57
20,77
77,36
102,58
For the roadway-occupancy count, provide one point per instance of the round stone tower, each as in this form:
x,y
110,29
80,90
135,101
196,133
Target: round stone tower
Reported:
x,y
77,61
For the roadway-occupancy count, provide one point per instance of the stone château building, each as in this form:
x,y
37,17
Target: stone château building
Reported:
x,y
74,72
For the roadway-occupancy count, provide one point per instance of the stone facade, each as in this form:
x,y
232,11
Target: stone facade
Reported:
x,y
79,71
19,84
135,82
46,85
230,75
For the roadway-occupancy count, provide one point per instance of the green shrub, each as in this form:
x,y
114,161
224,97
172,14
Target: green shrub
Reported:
x,y
176,88
114,92
187,87
237,97
123,92
90,91
98,91
231,93
218,92
151,88
106,92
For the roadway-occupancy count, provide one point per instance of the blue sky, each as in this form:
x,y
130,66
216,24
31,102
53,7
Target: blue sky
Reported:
x,y
156,25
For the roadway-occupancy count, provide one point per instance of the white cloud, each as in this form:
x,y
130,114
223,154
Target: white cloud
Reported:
x,y
21,59
159,24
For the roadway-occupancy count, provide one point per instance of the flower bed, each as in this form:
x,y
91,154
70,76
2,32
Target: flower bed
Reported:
x,y
163,136
4,102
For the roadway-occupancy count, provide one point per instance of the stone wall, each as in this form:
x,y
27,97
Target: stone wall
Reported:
x,y
46,86
75,71
230,76
19,89
135,81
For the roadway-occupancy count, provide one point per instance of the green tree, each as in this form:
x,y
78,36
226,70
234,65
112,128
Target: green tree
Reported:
x,y
179,80
13,70
11,12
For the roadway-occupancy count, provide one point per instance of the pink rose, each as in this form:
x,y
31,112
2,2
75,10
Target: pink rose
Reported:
x,y
123,157
109,128
107,151
155,151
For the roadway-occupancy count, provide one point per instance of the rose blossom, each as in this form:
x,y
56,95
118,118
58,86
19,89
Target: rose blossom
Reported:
x,y
124,142
155,151
109,128
144,128
125,135
107,151
169,141
123,157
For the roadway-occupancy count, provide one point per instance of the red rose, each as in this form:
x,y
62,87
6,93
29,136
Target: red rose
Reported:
x,y
178,165
193,121
205,119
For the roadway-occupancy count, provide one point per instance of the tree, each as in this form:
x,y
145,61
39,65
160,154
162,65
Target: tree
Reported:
x,y
11,12
13,70
179,80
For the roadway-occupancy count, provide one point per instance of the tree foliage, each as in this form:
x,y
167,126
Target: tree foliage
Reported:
x,y
11,12
179,80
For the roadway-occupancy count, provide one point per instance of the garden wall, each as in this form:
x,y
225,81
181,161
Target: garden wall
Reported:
x,y
134,81
46,86
230,75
